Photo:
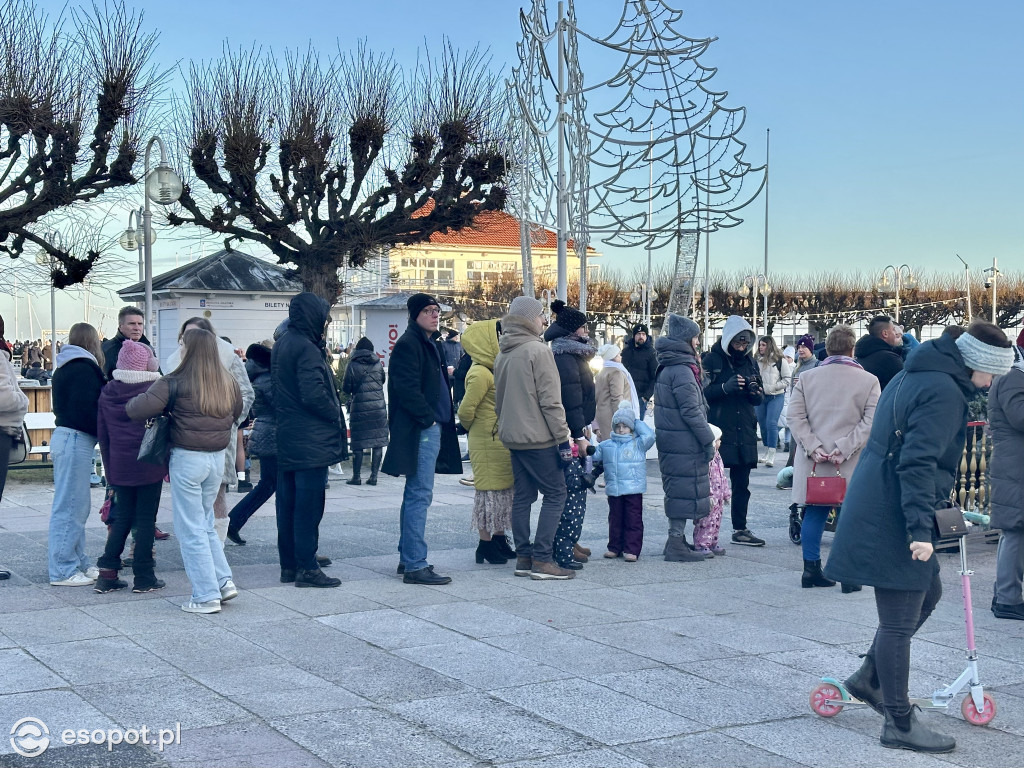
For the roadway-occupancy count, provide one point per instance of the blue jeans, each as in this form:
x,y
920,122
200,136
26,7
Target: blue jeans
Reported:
x,y
768,413
195,479
71,452
419,492
811,531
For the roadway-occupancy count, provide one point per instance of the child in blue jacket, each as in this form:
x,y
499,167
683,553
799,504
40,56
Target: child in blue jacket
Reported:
x,y
624,459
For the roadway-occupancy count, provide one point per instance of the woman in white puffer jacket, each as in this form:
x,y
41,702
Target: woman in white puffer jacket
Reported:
x,y
776,373
13,406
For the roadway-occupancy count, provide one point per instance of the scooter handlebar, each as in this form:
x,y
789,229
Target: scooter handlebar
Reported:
x,y
976,517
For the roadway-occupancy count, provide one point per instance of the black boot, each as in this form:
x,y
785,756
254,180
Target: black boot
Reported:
x,y
357,468
234,537
864,684
907,732
488,550
813,577
848,587
375,457
501,542
315,578
108,581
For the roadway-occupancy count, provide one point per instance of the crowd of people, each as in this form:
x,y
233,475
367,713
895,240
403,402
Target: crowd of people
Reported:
x,y
886,414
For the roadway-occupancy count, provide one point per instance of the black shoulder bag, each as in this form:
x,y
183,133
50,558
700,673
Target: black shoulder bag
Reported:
x,y
949,518
156,443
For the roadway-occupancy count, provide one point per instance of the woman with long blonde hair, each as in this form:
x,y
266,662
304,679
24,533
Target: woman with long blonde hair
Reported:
x,y
776,373
204,402
77,381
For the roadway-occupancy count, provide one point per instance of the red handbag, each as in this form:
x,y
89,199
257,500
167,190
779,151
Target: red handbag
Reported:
x,y
825,491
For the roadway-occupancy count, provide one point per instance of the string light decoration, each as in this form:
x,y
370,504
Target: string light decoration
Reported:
x,y
648,156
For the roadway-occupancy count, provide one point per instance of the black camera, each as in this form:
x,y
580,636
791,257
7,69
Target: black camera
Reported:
x,y
755,385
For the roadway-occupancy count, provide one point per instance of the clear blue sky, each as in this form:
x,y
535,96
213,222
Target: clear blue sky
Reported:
x,y
897,128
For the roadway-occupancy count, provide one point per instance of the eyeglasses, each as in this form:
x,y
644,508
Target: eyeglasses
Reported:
x,y
430,312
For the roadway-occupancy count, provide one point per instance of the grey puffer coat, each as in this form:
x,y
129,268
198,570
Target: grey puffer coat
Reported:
x,y
263,440
1006,415
367,413
684,439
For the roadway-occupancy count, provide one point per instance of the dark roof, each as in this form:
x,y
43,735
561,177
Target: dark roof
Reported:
x,y
393,301
224,271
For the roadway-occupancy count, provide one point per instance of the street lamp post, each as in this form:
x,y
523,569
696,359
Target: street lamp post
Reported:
x,y
162,186
754,284
991,283
902,275
967,284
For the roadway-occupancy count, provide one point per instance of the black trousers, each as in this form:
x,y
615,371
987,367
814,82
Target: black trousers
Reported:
x,y
300,508
134,507
900,614
739,479
5,452
258,496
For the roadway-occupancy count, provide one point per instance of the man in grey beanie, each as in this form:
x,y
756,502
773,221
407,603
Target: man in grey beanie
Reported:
x,y
531,424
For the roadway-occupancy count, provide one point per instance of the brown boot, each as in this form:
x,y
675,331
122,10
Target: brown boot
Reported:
x,y
580,554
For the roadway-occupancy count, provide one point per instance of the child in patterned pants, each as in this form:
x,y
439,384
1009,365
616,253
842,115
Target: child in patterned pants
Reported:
x,y
705,530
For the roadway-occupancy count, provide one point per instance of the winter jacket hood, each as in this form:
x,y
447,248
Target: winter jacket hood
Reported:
x,y
480,341
942,358
71,352
675,351
879,358
734,326
308,315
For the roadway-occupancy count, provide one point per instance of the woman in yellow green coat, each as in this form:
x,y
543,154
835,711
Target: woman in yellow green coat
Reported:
x,y
490,459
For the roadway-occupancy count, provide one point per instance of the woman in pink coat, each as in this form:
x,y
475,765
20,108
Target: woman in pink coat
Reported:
x,y
830,415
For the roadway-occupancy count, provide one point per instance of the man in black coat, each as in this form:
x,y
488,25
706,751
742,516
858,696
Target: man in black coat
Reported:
x,y
878,352
640,360
310,437
131,324
422,422
732,388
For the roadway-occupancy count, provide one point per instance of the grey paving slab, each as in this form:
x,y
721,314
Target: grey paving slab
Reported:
x,y
734,634
245,744
37,627
490,729
316,602
789,686
17,599
705,749
276,702
162,702
588,758
384,677
352,739
598,712
138,617
643,639
388,628
630,605
695,698
472,619
21,673
393,593
204,646
576,655
95,661
58,710
239,680
553,608
479,665
90,756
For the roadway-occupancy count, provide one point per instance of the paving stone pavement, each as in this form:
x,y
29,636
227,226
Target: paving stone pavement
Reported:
x,y
645,664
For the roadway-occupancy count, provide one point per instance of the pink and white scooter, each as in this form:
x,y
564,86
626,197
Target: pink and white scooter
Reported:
x,y
978,707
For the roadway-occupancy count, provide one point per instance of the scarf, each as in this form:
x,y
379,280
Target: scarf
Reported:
x,y
841,360
568,345
632,387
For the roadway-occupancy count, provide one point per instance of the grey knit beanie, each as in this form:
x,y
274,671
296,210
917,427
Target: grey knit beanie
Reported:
x,y
680,327
979,356
624,414
526,307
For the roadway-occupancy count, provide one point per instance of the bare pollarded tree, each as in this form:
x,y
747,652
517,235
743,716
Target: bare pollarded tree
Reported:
x,y
75,97
325,162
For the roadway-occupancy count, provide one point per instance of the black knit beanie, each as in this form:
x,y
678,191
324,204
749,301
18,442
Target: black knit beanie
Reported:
x,y
567,317
364,343
641,328
418,302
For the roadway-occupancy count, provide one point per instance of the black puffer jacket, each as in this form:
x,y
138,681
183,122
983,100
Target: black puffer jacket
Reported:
x,y
642,363
310,431
685,441
263,440
878,357
731,408
579,395
1006,415
367,413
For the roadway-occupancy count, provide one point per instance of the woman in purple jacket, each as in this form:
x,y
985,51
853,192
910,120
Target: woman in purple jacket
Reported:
x,y
136,484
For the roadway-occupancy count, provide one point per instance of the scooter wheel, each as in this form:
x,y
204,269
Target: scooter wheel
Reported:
x,y
971,713
826,708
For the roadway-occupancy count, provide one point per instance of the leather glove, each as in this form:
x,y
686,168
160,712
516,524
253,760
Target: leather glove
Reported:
x,y
731,386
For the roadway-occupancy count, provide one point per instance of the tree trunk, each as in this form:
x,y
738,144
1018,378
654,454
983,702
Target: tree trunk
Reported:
x,y
320,277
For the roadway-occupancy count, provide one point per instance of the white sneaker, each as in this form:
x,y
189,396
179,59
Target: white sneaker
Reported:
x,y
92,572
229,591
467,481
77,579
211,606
335,469
770,460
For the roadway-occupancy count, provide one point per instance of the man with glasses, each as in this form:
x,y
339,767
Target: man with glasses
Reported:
x,y
421,418
732,386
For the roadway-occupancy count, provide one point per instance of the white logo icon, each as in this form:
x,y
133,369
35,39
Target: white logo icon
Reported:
x,y
30,737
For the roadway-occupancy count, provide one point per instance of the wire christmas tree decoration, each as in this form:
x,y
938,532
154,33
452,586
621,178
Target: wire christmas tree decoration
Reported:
x,y
649,156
